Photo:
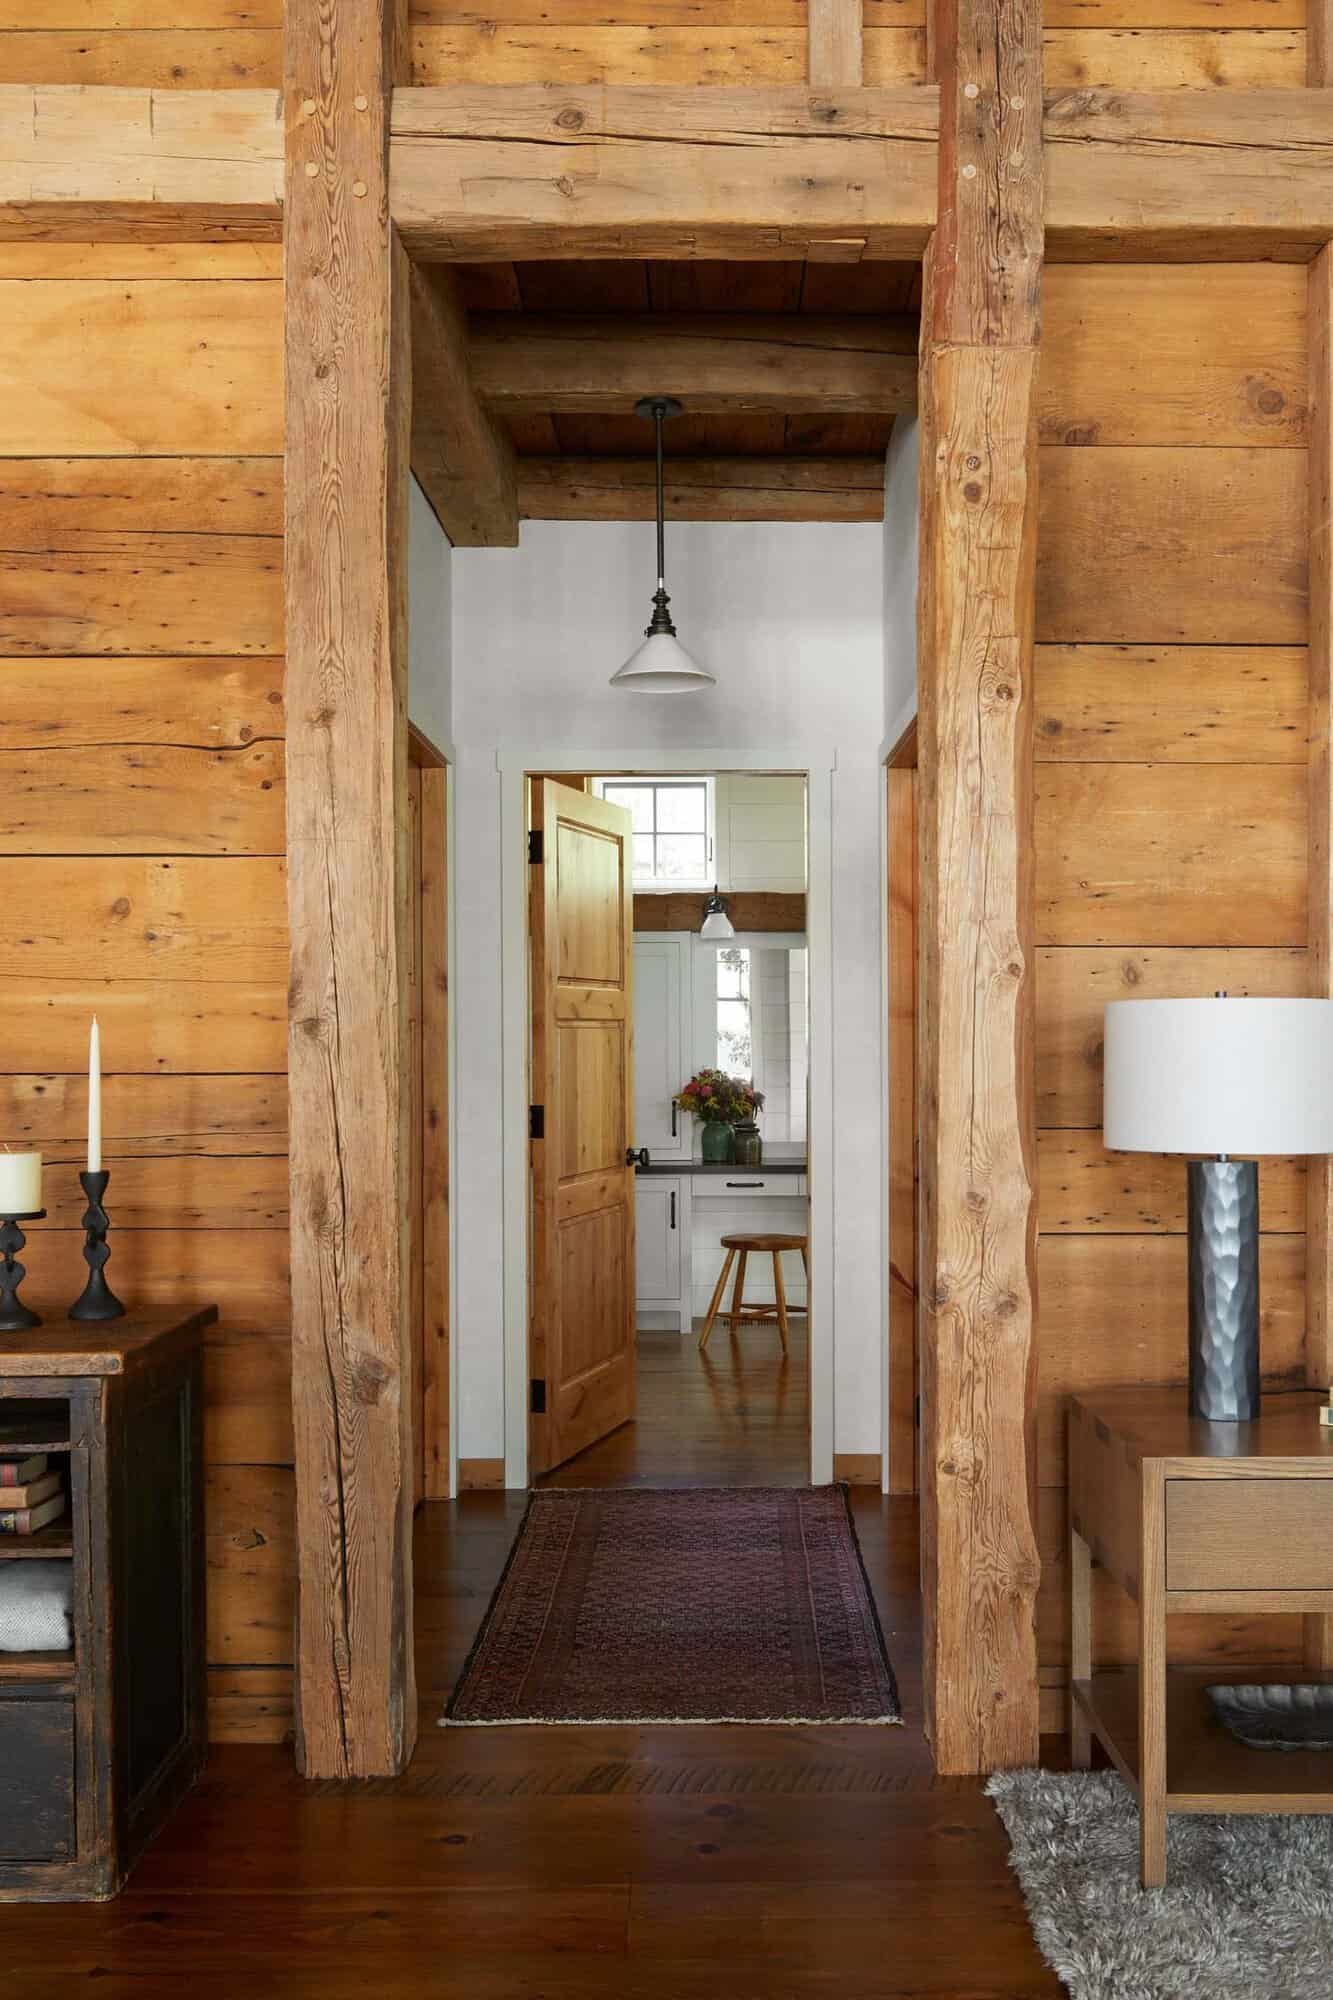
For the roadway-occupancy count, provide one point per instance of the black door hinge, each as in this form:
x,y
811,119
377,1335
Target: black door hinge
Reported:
x,y
536,1121
536,848
537,1401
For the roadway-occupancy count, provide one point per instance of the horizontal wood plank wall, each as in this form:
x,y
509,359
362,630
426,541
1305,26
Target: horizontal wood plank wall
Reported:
x,y
141,783
217,44
1132,44
1171,732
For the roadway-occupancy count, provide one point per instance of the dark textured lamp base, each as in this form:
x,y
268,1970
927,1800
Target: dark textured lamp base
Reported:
x,y
1224,1290
97,1300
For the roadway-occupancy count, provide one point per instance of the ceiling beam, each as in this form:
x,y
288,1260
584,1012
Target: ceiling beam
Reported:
x,y
546,171
641,171
702,489
463,460
770,364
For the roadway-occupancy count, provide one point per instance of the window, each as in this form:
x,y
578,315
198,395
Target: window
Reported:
x,y
735,1021
673,828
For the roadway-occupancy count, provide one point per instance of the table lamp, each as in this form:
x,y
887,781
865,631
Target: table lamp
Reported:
x,y
1220,1077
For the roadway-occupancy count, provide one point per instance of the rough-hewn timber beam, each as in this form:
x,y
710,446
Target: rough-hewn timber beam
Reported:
x,y
464,462
976,1106
156,164
538,171
1180,174
348,369
702,489
552,171
781,363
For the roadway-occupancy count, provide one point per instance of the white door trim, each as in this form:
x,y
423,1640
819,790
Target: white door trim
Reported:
x,y
515,1034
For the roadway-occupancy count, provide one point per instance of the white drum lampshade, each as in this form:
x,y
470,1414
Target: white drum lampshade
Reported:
x,y
1239,1076
1227,1080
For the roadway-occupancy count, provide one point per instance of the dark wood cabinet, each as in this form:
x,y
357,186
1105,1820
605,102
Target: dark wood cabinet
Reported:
x,y
98,1742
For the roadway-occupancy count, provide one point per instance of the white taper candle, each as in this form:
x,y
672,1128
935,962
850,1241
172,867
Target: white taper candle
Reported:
x,y
95,1099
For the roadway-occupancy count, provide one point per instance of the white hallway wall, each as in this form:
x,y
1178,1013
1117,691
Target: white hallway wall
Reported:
x,y
790,617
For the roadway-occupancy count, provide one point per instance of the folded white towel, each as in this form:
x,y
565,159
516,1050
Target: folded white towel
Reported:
x,y
36,1605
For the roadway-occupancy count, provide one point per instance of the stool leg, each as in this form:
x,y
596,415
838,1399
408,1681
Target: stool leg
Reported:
x,y
738,1293
716,1299
781,1295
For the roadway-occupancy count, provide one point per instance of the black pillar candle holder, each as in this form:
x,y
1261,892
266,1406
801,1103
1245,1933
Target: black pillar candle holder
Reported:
x,y
97,1300
15,1317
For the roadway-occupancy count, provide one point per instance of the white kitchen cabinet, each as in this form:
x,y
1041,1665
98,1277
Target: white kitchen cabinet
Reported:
x,y
662,1226
661,1042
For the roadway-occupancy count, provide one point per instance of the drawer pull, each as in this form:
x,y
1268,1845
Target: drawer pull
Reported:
x,y
745,1184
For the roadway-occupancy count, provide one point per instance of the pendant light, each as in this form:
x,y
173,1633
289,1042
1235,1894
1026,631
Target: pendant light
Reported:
x,y
716,924
661,665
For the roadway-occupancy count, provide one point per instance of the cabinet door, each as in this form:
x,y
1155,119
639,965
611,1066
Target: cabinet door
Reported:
x,y
661,976
659,1235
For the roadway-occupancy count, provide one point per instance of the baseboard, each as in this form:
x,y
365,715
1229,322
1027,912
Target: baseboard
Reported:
x,y
858,1468
480,1475
250,1705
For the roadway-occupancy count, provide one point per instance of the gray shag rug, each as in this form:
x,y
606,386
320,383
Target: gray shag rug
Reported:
x,y
1246,1914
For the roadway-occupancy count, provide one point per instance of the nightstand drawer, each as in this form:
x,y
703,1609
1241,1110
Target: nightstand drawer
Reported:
x,y
1249,1534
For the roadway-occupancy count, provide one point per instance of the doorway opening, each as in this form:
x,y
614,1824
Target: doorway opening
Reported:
x,y
669,1324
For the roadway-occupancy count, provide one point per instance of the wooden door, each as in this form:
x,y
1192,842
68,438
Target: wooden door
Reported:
x,y
582,925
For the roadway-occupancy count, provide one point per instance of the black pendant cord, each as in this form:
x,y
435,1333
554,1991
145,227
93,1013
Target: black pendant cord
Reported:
x,y
659,408
659,412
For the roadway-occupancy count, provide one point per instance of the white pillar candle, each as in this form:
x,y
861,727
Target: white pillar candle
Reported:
x,y
20,1183
95,1099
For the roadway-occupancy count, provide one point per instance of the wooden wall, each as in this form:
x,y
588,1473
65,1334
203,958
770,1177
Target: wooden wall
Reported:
x,y
1170,804
1132,44
141,782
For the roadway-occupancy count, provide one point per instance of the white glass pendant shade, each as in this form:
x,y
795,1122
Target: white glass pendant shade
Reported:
x,y
716,924
662,666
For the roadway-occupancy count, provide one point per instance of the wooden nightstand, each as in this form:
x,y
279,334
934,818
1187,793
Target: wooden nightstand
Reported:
x,y
1189,1516
100,1741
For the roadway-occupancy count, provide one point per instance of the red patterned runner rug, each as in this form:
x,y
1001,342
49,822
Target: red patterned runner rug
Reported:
x,y
744,1604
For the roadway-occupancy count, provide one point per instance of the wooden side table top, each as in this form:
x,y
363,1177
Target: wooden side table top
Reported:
x,y
1156,1424
109,1347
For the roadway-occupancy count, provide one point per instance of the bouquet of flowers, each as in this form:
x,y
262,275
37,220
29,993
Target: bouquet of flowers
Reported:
x,y
719,1099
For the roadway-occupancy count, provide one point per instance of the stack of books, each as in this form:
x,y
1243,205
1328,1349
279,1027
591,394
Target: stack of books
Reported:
x,y
31,1495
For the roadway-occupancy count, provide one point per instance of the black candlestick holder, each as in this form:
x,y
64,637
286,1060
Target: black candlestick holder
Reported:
x,y
15,1317
97,1300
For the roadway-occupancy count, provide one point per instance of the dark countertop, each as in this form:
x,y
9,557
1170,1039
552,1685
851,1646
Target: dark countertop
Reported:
x,y
708,1167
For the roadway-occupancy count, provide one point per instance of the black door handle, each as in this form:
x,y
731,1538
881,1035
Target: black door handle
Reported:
x,y
639,1159
745,1184
673,1117
673,1208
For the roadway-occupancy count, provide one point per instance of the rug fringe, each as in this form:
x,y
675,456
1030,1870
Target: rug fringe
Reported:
x,y
671,1721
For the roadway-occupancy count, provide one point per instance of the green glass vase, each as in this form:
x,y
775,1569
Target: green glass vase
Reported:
x,y
719,1142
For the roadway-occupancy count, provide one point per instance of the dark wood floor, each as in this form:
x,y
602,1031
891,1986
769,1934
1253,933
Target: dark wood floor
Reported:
x,y
610,1863
736,1415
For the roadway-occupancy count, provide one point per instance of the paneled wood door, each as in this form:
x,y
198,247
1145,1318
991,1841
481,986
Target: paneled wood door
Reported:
x,y
582,925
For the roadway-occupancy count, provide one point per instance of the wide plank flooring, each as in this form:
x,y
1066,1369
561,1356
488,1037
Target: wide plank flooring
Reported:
x,y
611,1863
736,1415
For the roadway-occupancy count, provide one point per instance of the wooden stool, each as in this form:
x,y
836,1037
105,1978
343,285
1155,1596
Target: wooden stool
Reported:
x,y
741,1314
